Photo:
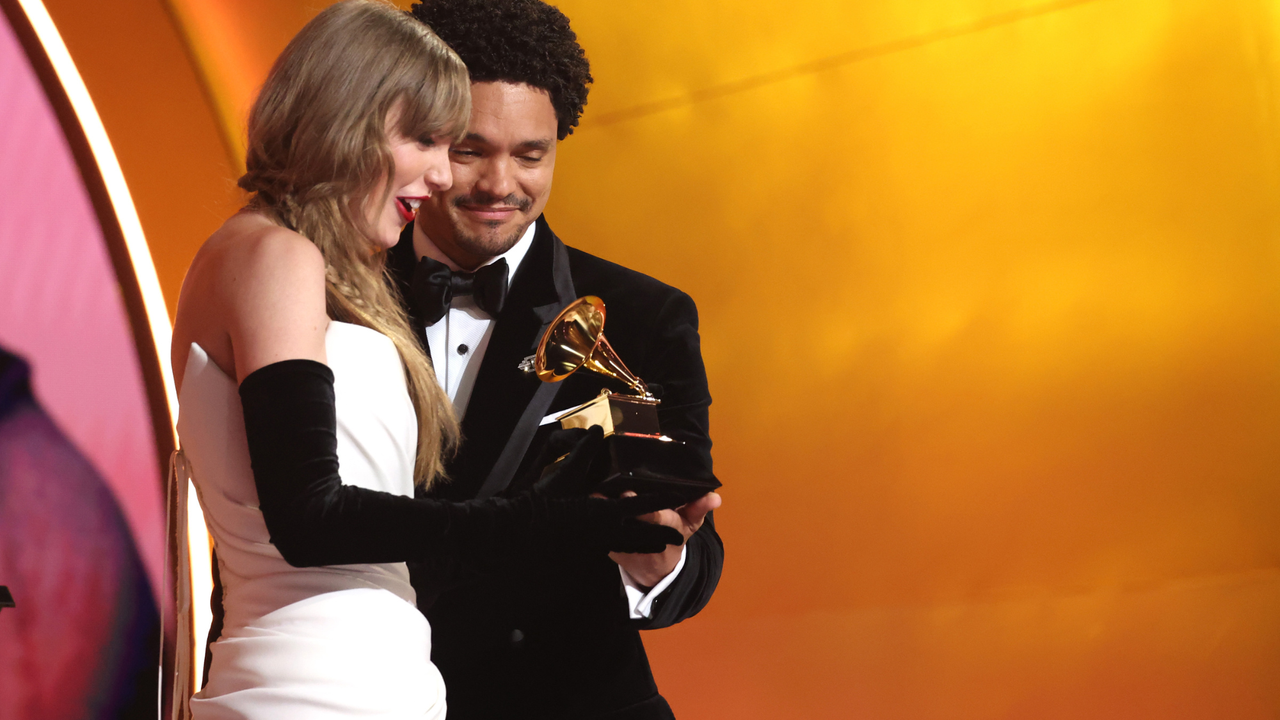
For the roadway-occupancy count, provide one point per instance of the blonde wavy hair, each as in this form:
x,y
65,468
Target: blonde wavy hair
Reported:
x,y
318,150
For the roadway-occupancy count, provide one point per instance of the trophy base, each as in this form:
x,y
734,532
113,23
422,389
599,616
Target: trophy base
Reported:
x,y
647,464
638,457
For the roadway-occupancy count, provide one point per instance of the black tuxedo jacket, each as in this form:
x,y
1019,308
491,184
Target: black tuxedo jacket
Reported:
x,y
551,637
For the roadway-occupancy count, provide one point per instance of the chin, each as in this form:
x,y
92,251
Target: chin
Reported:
x,y
387,240
489,243
497,234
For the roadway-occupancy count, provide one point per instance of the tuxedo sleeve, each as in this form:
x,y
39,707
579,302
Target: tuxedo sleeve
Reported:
x,y
674,361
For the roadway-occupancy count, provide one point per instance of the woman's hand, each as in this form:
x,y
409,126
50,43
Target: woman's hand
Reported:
x,y
567,463
648,569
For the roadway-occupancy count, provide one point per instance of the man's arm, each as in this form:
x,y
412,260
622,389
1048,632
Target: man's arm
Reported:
x,y
675,363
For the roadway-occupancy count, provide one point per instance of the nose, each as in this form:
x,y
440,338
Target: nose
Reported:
x,y
439,173
496,178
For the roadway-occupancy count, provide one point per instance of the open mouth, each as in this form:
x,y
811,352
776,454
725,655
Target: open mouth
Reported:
x,y
408,208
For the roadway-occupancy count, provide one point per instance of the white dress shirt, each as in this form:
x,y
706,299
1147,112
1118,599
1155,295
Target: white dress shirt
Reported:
x,y
458,342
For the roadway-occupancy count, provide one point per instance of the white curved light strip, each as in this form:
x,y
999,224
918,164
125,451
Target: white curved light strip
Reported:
x,y
148,283
134,240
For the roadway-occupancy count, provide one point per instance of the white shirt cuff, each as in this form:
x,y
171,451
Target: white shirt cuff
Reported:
x,y
639,602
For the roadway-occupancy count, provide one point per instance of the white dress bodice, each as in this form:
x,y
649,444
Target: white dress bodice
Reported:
x,y
337,641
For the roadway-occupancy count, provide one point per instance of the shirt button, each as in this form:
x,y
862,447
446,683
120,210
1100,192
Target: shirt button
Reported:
x,y
462,349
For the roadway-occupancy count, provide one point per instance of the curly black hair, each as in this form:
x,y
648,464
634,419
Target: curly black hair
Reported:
x,y
518,41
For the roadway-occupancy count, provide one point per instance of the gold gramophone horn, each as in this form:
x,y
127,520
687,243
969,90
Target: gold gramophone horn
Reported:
x,y
575,340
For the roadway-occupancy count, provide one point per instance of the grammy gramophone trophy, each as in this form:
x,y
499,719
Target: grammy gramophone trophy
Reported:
x,y
640,457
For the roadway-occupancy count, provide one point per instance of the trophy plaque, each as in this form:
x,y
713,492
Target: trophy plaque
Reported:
x,y
639,457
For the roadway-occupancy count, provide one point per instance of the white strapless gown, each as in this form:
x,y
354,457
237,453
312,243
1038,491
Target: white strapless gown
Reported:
x,y
343,641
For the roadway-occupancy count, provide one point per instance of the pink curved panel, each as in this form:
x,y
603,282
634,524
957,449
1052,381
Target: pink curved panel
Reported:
x,y
61,308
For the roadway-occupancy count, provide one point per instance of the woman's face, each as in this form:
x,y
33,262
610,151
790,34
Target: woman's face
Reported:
x,y
421,168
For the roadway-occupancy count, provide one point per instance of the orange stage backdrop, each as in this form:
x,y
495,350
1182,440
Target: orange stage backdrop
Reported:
x,y
990,294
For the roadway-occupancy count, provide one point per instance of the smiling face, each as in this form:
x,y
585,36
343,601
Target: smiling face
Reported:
x,y
501,174
421,170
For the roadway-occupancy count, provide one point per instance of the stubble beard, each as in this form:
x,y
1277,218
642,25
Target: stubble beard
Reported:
x,y
489,243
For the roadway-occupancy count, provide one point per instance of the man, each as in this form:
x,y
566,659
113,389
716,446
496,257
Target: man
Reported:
x,y
559,637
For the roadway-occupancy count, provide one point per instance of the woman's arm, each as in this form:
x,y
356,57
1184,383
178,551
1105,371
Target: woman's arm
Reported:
x,y
274,291
254,295
255,300
314,519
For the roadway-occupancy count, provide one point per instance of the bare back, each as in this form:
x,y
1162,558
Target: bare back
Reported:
x,y
254,295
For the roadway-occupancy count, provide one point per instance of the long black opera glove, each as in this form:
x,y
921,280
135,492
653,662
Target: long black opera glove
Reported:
x,y
565,466
313,519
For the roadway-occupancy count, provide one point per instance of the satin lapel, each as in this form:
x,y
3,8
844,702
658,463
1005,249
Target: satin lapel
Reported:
x,y
502,391
504,470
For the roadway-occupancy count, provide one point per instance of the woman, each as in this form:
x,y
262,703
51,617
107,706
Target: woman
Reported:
x,y
308,408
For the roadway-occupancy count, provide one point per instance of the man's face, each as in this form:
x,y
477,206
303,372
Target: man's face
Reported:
x,y
501,174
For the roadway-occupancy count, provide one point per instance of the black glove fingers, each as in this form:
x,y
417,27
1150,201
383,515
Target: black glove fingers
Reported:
x,y
585,446
635,536
647,503
572,476
557,444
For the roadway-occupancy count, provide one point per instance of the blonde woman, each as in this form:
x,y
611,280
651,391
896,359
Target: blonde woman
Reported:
x,y
309,410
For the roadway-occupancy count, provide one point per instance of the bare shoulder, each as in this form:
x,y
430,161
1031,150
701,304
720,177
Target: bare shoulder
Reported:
x,y
248,250
255,294
273,253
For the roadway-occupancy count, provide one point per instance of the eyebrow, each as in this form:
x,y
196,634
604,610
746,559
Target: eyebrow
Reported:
x,y
541,145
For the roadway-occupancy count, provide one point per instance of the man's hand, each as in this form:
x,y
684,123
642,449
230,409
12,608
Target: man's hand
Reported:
x,y
648,569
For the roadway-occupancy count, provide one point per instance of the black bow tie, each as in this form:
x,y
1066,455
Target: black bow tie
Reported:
x,y
435,286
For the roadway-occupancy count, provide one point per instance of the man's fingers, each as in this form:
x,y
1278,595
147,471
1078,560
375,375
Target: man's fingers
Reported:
x,y
697,509
705,504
